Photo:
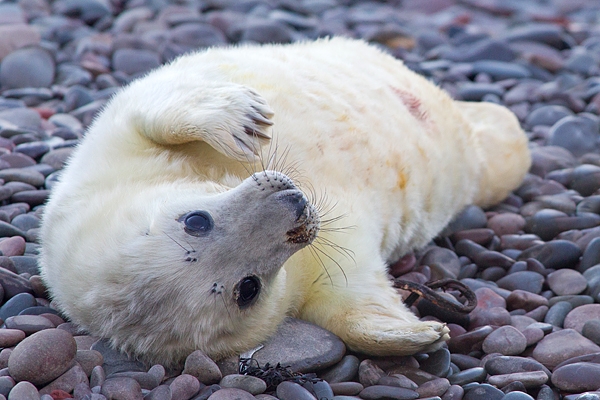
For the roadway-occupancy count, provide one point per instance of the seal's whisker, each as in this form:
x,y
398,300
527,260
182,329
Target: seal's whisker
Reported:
x,y
339,249
225,304
317,257
323,252
179,244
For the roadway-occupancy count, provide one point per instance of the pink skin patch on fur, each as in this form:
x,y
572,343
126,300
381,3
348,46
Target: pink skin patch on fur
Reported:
x,y
412,103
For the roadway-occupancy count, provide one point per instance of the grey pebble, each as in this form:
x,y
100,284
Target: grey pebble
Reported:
x,y
16,304
505,340
162,392
67,381
135,61
122,388
346,388
24,391
115,361
477,374
438,363
186,386
343,371
248,383
202,367
29,323
292,391
577,377
483,392
28,67
557,313
566,282
525,280
387,392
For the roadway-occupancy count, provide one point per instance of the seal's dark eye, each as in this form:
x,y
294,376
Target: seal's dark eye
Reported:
x,y
197,222
247,290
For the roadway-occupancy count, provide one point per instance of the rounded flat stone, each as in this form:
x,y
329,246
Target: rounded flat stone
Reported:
x,y
290,391
577,377
530,380
525,280
42,357
302,346
202,367
122,388
562,345
387,392
344,371
250,384
27,67
566,282
506,340
580,315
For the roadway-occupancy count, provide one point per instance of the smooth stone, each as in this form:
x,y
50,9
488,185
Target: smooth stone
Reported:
x,y
547,115
12,246
437,363
302,346
16,304
557,313
265,31
24,391
533,335
530,380
517,395
135,61
186,386
88,359
26,264
521,299
369,373
580,315
145,380
574,301
42,357
506,340
591,330
6,384
454,392
248,383
497,316
436,387
11,337
557,254
505,365
31,197
574,133
344,371
29,323
591,255
122,388
31,177
506,223
471,217
525,280
566,282
562,345
27,67
387,392
67,381
444,263
577,377
475,91
13,284
23,222
57,158
289,391
486,49
547,223
477,374
398,380
586,177
346,388
202,367
115,361
466,342
161,392
483,392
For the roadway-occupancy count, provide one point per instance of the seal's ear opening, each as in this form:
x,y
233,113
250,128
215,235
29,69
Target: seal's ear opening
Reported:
x,y
247,291
197,223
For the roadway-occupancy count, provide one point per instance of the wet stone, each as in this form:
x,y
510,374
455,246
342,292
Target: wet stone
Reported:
x,y
577,377
466,342
547,115
31,177
562,345
67,381
505,365
547,223
521,299
472,217
369,373
25,391
506,223
556,254
397,380
533,335
12,246
186,386
436,387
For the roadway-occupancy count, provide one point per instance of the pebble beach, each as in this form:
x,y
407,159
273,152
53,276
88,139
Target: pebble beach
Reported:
x,y
533,261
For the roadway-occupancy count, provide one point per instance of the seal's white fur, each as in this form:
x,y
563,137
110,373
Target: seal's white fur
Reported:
x,y
395,155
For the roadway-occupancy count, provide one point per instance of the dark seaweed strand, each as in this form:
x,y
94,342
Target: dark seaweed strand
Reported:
x,y
273,376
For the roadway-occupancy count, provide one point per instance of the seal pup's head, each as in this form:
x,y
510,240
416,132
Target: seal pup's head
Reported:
x,y
196,266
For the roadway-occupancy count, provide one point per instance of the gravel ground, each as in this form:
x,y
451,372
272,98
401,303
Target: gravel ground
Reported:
x,y
533,261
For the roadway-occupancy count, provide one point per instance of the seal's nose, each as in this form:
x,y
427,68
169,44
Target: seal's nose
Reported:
x,y
299,202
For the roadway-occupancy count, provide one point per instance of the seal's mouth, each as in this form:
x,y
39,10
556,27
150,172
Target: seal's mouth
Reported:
x,y
308,229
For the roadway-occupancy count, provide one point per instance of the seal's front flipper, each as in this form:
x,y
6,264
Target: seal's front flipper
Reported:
x,y
232,118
